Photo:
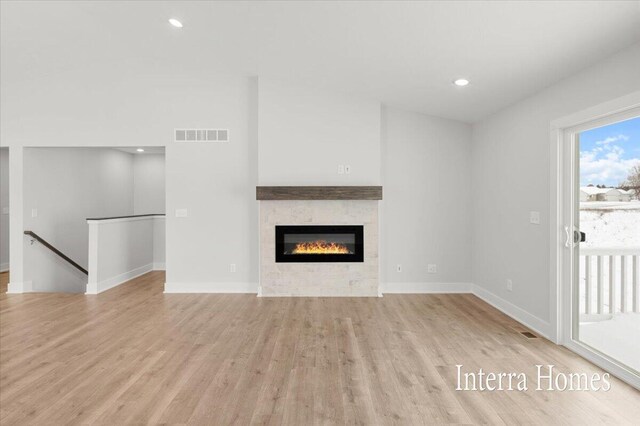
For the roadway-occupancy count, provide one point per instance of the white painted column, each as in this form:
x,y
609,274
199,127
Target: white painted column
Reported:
x,y
16,221
92,281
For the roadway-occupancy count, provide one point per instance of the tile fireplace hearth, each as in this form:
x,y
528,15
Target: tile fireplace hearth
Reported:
x,y
319,247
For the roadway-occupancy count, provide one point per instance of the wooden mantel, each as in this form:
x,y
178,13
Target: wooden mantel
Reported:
x,y
318,193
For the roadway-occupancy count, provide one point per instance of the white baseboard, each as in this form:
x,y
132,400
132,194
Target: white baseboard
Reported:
x,y
104,285
255,288
17,288
536,324
239,287
319,294
4,267
425,288
159,266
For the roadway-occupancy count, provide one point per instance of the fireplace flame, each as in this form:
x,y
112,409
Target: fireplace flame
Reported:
x,y
320,247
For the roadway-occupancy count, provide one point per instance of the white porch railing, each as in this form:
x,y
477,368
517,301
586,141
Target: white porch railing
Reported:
x,y
609,280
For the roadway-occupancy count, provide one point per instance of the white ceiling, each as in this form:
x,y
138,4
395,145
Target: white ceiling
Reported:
x,y
404,54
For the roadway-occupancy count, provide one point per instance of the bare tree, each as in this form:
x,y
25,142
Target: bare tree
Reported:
x,y
633,181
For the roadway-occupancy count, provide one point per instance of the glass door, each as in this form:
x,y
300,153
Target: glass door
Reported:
x,y
606,239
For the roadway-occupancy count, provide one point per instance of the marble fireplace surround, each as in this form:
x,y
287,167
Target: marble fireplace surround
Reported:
x,y
318,205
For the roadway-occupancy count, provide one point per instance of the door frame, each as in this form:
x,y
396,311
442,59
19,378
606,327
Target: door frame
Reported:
x,y
563,264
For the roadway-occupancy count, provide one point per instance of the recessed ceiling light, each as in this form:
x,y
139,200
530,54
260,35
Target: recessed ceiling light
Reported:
x,y
175,23
461,82
140,150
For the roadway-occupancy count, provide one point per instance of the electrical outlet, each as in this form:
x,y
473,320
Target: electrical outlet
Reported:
x,y
34,212
232,267
347,169
340,169
398,268
432,268
509,285
534,217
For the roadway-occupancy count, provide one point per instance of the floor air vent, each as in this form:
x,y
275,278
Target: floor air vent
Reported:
x,y
528,335
201,135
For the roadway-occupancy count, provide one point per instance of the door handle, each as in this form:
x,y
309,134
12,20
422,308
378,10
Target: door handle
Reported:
x,y
578,237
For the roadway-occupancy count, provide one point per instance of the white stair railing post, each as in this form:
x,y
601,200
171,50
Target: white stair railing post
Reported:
x,y
587,284
612,285
623,283
636,284
600,284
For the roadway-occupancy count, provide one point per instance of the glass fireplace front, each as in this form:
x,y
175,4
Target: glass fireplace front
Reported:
x,y
319,243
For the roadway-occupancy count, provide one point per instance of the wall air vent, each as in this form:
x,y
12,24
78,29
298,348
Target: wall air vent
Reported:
x,y
201,135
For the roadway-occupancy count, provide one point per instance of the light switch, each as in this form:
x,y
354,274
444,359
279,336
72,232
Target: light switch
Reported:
x,y
534,217
347,169
182,213
34,212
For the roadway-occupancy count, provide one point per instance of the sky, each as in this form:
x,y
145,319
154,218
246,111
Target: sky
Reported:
x,y
608,153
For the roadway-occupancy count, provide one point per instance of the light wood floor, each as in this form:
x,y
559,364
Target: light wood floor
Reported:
x,y
133,355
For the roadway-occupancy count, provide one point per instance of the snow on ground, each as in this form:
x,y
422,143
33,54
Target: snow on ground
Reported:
x,y
610,224
617,337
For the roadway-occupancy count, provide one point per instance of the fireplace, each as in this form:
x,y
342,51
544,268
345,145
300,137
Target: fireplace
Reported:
x,y
319,243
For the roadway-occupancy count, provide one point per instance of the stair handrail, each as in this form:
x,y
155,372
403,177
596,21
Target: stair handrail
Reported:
x,y
56,251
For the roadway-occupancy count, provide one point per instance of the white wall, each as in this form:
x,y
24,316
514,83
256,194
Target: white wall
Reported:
x,y
159,244
4,204
215,183
122,249
304,134
67,186
511,160
148,184
426,216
